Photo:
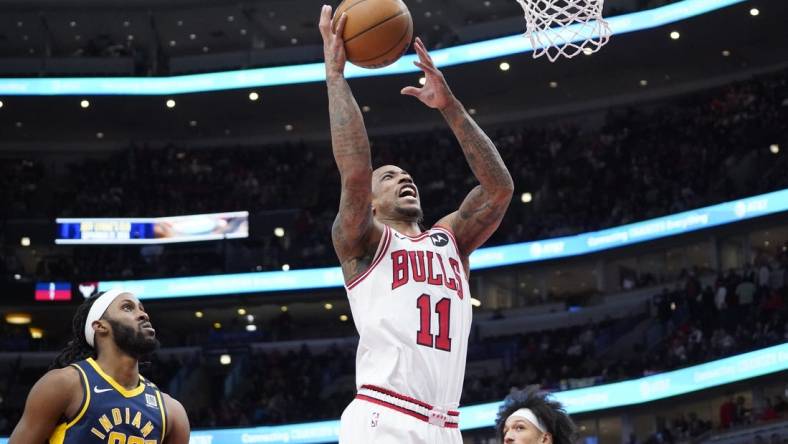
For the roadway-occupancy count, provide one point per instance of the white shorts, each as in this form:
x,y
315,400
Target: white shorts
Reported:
x,y
364,422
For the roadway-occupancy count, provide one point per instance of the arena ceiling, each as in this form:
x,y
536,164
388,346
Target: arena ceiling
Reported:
x,y
633,68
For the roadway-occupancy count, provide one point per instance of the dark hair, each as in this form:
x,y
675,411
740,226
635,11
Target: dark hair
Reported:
x,y
550,413
77,348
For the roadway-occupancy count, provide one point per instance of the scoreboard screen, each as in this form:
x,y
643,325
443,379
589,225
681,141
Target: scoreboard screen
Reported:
x,y
160,230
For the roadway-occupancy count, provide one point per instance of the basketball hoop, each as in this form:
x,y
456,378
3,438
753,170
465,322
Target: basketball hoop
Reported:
x,y
565,27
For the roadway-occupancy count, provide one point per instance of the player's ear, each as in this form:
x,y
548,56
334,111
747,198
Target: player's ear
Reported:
x,y
547,438
100,326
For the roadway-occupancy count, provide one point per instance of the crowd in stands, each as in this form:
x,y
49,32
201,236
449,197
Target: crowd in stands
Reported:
x,y
698,150
693,326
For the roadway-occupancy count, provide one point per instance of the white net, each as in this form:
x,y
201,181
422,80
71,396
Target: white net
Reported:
x,y
565,27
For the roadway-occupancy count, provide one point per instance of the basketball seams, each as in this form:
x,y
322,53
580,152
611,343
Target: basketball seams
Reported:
x,y
408,30
401,13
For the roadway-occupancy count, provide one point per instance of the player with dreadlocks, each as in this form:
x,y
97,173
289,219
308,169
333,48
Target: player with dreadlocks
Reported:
x,y
93,392
529,417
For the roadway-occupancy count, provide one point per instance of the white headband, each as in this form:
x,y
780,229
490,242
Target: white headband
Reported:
x,y
97,311
529,415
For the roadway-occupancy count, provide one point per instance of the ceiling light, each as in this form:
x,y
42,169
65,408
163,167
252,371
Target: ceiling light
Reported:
x,y
283,28
84,103
99,135
179,23
343,318
36,333
472,111
251,327
754,12
217,325
192,36
225,359
643,82
286,267
173,43
328,305
475,302
230,18
504,66
130,37
774,148
242,311
25,241
422,80
1,103
170,103
288,127
192,123
198,314
249,318
205,49
18,318
725,53
675,35
72,24
279,232
242,31
526,197
588,51
126,23
365,108
553,84
17,276
283,308
253,96
294,41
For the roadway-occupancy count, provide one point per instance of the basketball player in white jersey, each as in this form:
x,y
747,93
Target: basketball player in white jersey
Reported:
x,y
408,288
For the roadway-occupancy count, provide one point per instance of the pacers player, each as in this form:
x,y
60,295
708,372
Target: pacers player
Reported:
x,y
528,417
408,288
95,393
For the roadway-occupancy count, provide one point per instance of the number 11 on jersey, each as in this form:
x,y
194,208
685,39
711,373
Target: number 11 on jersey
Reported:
x,y
424,336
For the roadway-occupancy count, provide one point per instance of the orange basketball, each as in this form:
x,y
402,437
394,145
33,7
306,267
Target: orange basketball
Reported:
x,y
377,32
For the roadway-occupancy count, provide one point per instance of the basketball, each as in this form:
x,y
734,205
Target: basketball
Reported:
x,y
377,32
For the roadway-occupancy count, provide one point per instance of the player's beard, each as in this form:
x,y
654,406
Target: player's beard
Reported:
x,y
133,342
410,213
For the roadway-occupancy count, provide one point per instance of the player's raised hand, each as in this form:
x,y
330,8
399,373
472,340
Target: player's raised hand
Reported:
x,y
435,93
333,44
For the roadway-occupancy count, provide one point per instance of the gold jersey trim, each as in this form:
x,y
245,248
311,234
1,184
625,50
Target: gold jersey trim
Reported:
x,y
59,435
122,390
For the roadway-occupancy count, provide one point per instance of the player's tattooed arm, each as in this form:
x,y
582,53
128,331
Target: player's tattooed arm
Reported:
x,y
354,232
481,212
484,207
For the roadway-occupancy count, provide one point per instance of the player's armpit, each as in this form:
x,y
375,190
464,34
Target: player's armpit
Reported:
x,y
178,428
47,403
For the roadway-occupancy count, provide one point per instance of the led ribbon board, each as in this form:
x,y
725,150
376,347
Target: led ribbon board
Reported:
x,y
160,230
651,388
315,72
521,253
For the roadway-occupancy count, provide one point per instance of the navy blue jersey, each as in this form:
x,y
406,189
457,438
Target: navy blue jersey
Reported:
x,y
111,414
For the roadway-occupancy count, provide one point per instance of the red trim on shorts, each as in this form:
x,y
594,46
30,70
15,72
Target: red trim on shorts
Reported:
x,y
405,398
419,416
385,242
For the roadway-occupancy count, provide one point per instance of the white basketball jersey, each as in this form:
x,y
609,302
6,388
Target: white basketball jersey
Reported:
x,y
412,309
